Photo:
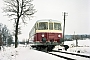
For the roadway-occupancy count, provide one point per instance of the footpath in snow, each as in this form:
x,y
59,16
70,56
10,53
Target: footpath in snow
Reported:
x,y
25,53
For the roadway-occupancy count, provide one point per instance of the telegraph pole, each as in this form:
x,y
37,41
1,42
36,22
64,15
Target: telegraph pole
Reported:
x,y
64,26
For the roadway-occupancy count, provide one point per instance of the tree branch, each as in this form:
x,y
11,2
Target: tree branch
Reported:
x,y
21,8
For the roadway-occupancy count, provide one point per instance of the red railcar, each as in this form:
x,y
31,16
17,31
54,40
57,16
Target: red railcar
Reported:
x,y
46,33
49,36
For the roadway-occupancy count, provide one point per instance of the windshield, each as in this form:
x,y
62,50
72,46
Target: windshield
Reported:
x,y
57,26
50,26
43,26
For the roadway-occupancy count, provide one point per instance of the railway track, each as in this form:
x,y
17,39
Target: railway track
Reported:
x,y
69,55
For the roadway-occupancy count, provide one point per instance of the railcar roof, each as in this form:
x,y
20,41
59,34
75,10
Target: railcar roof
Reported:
x,y
47,20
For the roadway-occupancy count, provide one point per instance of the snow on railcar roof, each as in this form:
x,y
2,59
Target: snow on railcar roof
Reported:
x,y
47,20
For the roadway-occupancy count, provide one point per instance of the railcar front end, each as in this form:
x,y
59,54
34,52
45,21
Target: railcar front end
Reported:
x,y
46,34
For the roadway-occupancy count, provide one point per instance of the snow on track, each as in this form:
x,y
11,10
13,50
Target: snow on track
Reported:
x,y
72,57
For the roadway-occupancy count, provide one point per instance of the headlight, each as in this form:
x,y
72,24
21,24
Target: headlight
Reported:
x,y
42,35
59,35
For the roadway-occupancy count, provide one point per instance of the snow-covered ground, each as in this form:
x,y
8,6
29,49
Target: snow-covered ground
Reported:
x,y
83,46
27,53
80,42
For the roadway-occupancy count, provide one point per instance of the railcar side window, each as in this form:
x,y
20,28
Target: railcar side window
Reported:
x,y
43,26
37,26
57,26
50,26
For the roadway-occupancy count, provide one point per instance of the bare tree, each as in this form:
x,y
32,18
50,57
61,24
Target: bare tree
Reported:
x,y
19,10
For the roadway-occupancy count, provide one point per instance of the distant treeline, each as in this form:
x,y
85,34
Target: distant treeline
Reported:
x,y
73,37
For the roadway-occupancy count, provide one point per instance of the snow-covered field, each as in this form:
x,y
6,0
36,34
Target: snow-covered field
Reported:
x,y
80,42
26,53
83,46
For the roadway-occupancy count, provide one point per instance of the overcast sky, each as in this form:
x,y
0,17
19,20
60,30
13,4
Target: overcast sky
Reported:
x,y
78,18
